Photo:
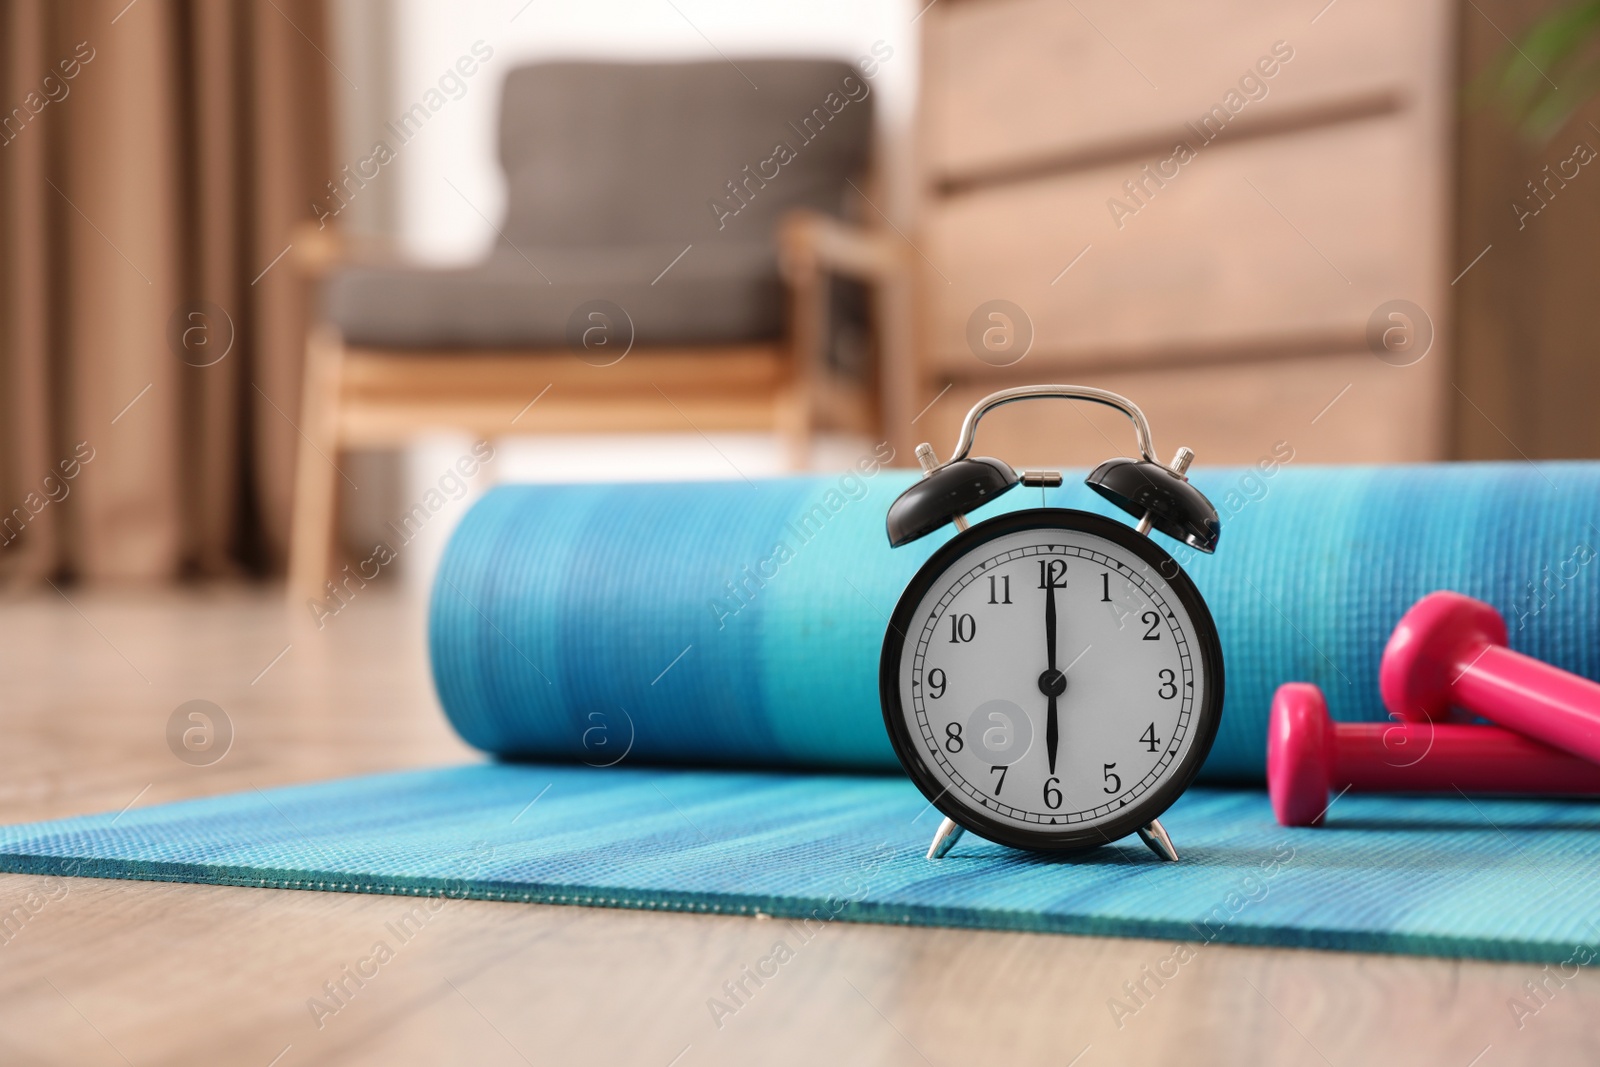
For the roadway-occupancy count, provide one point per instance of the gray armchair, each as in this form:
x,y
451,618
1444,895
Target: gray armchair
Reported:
x,y
669,213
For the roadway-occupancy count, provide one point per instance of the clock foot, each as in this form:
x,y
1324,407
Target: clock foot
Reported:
x,y
945,838
1155,836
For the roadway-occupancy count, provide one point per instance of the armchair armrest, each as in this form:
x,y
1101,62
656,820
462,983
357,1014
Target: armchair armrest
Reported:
x,y
811,247
318,250
811,243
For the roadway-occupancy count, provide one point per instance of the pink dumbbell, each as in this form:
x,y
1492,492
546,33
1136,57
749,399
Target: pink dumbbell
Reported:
x,y
1450,651
1308,755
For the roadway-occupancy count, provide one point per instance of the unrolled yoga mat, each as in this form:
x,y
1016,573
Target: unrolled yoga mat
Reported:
x,y
739,625
1493,879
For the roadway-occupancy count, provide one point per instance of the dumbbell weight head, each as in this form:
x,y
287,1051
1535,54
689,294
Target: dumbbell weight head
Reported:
x,y
1297,754
1428,650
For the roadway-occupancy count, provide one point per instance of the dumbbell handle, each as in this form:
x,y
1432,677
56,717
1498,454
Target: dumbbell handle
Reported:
x,y
1424,757
1310,756
1531,697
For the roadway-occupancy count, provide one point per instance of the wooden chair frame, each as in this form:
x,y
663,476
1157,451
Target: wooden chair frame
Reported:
x,y
364,397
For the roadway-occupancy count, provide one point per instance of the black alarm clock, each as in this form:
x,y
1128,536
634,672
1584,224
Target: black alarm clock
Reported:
x,y
1051,679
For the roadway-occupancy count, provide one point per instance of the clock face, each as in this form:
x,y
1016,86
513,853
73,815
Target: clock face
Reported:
x,y
1052,679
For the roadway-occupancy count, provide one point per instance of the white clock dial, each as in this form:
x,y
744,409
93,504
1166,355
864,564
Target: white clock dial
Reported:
x,y
1055,611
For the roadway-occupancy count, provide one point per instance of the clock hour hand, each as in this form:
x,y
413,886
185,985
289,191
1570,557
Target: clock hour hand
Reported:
x,y
1051,735
1052,683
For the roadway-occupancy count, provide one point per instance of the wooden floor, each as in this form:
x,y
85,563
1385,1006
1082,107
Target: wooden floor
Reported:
x,y
105,972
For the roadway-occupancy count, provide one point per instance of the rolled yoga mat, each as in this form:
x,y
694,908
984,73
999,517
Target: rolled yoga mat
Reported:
x,y
740,624
736,626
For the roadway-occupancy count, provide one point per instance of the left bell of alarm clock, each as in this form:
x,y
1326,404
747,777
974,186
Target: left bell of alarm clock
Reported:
x,y
944,494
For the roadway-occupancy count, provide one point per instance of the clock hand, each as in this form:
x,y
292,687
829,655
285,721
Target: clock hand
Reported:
x,y
1050,619
1051,736
1052,683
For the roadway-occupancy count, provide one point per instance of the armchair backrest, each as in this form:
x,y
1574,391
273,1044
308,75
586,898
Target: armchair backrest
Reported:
x,y
625,153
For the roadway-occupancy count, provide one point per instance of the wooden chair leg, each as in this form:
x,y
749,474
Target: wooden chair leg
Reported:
x,y
795,427
897,374
316,487
797,414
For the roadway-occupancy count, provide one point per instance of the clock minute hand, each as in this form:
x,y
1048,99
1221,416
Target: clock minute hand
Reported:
x,y
1050,620
1047,681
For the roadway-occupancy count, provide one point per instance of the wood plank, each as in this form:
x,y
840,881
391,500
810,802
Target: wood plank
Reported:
x,y
1288,243
1377,104
1012,82
1349,408
810,242
365,423
370,372
390,397
314,519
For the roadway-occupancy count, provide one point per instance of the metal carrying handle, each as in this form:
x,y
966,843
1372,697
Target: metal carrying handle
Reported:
x,y
969,426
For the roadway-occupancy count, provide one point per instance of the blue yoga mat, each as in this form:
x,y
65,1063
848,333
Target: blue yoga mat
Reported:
x,y
735,627
740,624
1449,877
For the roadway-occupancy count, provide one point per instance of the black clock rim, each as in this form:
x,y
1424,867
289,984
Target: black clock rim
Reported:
x,y
1208,716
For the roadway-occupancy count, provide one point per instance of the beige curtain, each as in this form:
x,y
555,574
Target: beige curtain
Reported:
x,y
154,157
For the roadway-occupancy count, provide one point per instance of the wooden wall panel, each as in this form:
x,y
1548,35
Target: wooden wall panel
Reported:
x,y
1014,82
1288,242
1233,299
1347,408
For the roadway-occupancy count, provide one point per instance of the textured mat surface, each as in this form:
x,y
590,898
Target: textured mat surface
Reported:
x,y
1492,879
740,623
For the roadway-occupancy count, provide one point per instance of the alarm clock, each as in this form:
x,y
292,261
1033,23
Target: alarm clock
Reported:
x,y
1051,679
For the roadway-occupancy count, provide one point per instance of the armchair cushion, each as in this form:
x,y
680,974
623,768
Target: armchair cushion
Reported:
x,y
719,292
601,153
612,169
